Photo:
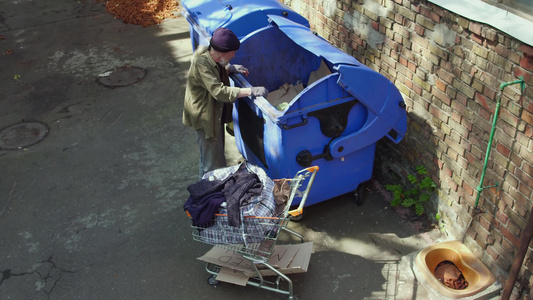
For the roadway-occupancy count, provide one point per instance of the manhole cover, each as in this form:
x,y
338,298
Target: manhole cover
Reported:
x,y
121,76
22,135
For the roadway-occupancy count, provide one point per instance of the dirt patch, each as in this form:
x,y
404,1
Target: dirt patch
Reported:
x,y
141,12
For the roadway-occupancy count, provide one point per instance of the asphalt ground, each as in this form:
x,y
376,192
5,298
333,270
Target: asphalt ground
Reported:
x,y
94,210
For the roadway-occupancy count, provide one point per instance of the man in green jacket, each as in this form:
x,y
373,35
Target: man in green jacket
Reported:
x,y
209,96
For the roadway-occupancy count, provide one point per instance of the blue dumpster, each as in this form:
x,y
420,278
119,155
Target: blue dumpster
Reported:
x,y
333,120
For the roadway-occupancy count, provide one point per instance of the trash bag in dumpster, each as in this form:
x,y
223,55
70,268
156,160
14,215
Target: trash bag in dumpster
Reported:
x,y
331,109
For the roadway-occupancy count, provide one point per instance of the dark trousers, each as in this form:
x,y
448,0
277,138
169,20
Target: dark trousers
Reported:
x,y
211,152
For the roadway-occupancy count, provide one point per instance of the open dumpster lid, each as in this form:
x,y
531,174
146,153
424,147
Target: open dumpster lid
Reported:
x,y
208,14
241,16
303,36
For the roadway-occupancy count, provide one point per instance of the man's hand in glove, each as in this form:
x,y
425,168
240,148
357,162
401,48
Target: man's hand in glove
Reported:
x,y
238,69
259,91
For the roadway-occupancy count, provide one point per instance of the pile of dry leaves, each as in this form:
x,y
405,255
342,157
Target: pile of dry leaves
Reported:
x,y
141,12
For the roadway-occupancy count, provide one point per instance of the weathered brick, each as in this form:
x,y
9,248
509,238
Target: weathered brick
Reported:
x,y
464,88
403,89
501,50
457,127
406,42
463,22
467,188
466,123
514,57
407,13
411,66
391,43
510,236
441,96
371,15
526,154
422,83
435,49
409,83
525,190
526,62
458,51
516,160
517,72
435,17
398,38
500,61
527,117
478,85
523,177
446,130
484,65
403,61
425,22
420,30
520,209
400,30
480,51
491,35
389,61
477,38
526,49
475,28
417,89
503,150
438,113
445,76
508,117
441,85
465,77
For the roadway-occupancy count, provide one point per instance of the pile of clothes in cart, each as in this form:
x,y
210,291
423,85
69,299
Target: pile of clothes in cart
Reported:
x,y
226,197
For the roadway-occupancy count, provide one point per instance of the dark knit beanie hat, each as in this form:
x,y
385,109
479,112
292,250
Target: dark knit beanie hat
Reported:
x,y
224,40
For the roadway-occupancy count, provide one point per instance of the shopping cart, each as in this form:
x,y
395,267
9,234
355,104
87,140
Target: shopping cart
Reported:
x,y
258,232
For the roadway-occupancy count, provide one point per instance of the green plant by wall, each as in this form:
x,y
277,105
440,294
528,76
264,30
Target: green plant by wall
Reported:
x,y
417,192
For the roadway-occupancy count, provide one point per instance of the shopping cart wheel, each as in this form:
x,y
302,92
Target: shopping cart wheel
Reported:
x,y
297,218
212,280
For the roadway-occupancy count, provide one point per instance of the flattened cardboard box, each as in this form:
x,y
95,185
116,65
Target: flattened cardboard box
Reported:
x,y
288,259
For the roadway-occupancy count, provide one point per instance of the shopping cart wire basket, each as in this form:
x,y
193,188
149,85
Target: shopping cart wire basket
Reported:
x,y
261,222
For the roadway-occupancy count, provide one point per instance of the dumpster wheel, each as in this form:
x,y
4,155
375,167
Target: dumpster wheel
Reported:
x,y
359,195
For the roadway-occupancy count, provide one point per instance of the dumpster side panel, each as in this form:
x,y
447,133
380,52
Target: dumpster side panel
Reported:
x,y
274,148
337,175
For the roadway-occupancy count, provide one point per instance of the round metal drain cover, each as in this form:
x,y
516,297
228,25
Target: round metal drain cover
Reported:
x,y
22,135
121,76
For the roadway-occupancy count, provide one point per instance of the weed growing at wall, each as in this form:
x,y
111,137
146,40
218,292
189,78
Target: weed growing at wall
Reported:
x,y
416,193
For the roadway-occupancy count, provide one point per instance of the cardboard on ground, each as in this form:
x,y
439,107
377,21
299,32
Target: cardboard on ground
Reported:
x,y
288,259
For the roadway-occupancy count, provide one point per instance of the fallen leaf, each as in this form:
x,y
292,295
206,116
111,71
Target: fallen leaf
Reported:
x,y
9,52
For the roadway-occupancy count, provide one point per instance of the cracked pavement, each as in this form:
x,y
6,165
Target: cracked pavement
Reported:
x,y
94,211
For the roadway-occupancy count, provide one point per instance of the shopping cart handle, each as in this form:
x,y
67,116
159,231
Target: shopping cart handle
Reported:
x,y
299,210
296,212
312,169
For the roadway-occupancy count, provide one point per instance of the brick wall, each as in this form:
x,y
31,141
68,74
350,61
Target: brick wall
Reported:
x,y
448,69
